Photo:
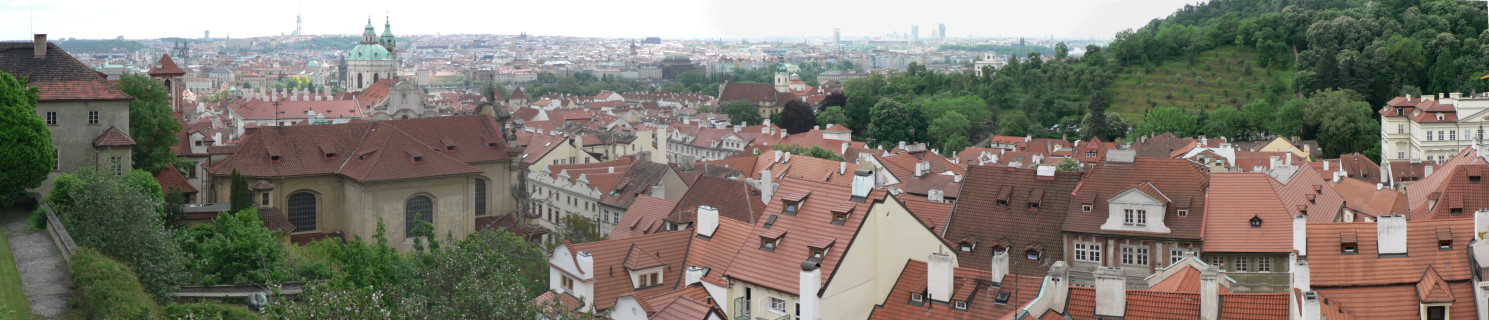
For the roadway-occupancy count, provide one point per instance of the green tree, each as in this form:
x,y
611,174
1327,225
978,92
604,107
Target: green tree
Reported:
x,y
122,220
1015,123
742,111
241,198
1345,122
893,121
950,132
814,151
798,117
152,123
25,142
576,229
1069,164
1226,122
833,115
1168,119
238,249
1061,51
1095,122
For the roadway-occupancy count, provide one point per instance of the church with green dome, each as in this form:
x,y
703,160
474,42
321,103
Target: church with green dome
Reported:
x,y
375,58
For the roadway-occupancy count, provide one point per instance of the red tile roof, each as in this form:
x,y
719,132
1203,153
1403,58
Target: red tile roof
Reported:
x,y
636,181
1308,190
1013,225
113,137
166,68
932,214
1361,196
369,150
1333,268
1254,306
1417,192
1368,303
611,257
274,219
733,198
973,286
643,217
1177,179
1233,201
256,109
779,269
170,178
717,253
1459,190
58,75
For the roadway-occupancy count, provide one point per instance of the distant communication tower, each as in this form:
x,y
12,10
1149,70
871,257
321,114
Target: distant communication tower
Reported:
x,y
298,23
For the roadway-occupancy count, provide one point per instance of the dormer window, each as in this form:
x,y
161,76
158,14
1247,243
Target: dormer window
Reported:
x,y
1445,245
1086,208
966,246
1439,116
817,253
1002,297
1183,212
841,212
1349,248
1456,211
1473,179
917,297
418,159
1090,154
274,158
771,239
1031,254
449,148
960,305
1001,202
649,280
1135,217
791,207
1256,222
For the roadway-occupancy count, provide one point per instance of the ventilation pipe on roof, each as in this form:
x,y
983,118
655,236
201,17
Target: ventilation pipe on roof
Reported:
x,y
1111,292
767,187
863,181
778,156
842,168
922,168
1209,293
809,283
787,158
1391,238
1000,264
708,220
938,277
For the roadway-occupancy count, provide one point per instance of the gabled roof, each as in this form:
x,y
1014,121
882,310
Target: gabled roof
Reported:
x,y
717,254
636,181
643,217
733,198
1432,288
981,217
113,137
1417,192
368,150
1306,189
170,178
166,68
1178,179
58,75
612,257
1236,198
780,269
974,286
1459,189
1331,267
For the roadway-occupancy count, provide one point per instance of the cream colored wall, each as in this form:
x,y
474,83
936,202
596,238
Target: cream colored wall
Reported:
x,y
889,237
759,304
673,187
563,151
73,136
1281,145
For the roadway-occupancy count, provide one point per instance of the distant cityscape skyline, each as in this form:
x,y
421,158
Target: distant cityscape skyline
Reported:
x,y
669,19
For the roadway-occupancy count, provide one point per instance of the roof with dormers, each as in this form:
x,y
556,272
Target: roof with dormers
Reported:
x,y
370,150
1181,181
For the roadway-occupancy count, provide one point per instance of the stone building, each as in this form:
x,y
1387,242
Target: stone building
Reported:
x,y
374,59
88,116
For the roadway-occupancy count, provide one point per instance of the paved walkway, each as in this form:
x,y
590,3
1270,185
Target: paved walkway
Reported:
x,y
43,272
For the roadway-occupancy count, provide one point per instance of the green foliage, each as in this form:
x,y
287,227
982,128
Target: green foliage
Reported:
x,y
742,111
1227,122
122,219
79,46
208,311
893,121
833,115
151,122
25,142
950,132
240,197
814,151
1167,119
108,289
1345,124
582,83
797,117
1014,123
1069,164
238,249
1224,77
37,219
575,229
1001,49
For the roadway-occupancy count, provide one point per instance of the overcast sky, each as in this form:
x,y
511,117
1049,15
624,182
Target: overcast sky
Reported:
x,y
98,19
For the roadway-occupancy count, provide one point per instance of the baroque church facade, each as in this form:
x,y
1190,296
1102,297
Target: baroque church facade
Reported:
x,y
374,59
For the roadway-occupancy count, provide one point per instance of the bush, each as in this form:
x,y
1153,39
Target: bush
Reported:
x,y
108,289
209,311
37,219
120,217
240,250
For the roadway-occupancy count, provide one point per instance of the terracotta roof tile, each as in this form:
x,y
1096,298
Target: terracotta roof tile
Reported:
x,y
932,214
1367,302
716,254
1234,201
1176,178
1331,267
113,137
166,68
1417,192
983,218
779,269
974,286
366,150
276,220
58,75
733,198
643,217
169,178
1254,306
636,181
612,281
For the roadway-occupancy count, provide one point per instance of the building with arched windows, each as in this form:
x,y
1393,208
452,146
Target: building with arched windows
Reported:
x,y
375,58
343,179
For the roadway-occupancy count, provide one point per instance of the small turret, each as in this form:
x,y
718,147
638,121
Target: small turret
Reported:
x,y
388,41
368,34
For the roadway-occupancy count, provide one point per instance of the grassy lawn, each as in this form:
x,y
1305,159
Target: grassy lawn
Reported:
x,y
1226,77
11,294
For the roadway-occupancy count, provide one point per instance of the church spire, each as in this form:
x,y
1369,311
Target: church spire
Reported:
x,y
368,34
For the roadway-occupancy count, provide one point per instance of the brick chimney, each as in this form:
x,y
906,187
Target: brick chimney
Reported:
x,y
708,220
1111,292
863,182
40,48
692,275
1058,280
1391,237
1311,308
938,277
1000,265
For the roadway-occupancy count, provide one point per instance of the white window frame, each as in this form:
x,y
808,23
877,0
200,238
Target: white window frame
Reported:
x,y
1088,251
1134,255
1242,264
1263,264
776,305
51,118
1400,128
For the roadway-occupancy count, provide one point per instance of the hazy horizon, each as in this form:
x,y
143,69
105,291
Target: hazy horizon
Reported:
x,y
669,19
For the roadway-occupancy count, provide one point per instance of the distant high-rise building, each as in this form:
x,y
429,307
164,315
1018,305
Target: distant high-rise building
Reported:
x,y
207,35
837,36
914,33
942,32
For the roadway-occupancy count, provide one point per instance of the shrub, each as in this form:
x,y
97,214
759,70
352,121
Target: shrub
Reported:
x,y
120,217
37,219
108,289
208,311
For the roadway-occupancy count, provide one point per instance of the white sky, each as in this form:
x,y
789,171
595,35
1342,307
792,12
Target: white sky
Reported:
x,y
99,19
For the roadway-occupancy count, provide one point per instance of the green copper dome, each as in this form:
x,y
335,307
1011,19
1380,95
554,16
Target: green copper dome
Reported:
x,y
367,51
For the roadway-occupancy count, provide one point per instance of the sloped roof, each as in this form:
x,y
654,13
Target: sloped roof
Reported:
x,y
166,68
1333,268
971,284
1457,189
169,177
1324,203
1417,192
1177,178
733,198
717,253
1236,198
636,181
1432,288
368,150
779,269
113,137
58,75
981,217
643,217
1367,302
610,260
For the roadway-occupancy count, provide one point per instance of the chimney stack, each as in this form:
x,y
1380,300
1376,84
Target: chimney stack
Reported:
x,y
1057,279
1300,234
1391,237
767,187
708,220
1209,293
938,277
586,262
694,274
1311,308
811,282
1000,264
863,182
40,48
1111,292
922,168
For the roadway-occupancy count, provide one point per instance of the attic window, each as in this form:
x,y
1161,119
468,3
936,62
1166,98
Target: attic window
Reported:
x,y
960,305
450,148
817,253
1002,203
1456,211
1002,297
1032,254
769,244
1256,222
274,158
1445,245
967,246
331,155
792,207
1087,208
1183,212
418,159
1439,116
841,212
917,297
1473,179
491,144
1349,248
